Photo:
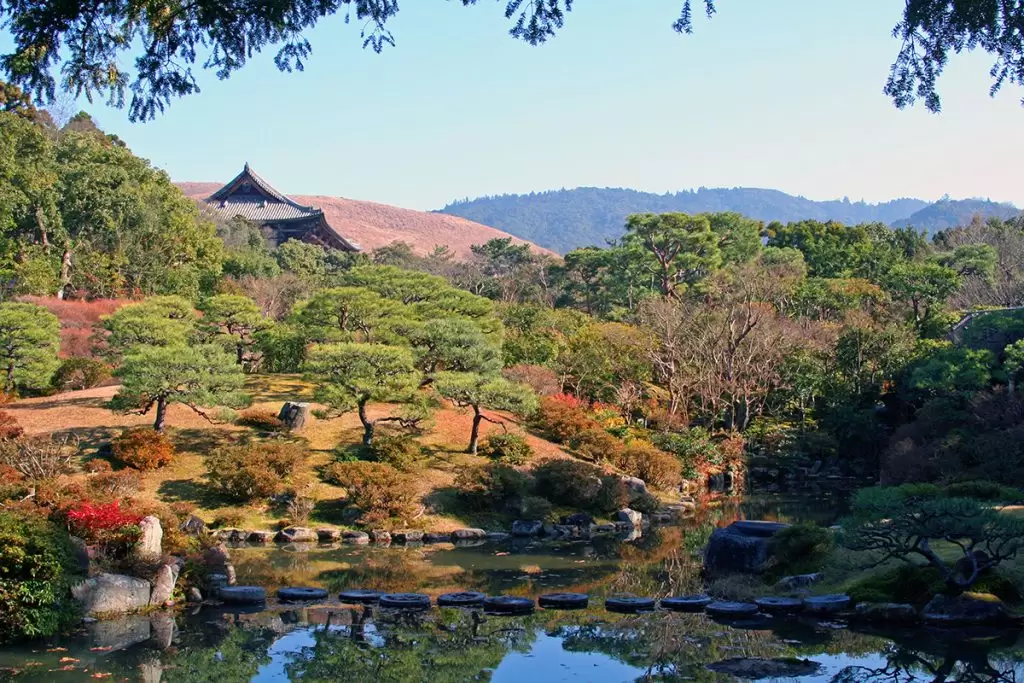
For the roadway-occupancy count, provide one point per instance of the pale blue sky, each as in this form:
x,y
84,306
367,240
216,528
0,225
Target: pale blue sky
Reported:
x,y
785,95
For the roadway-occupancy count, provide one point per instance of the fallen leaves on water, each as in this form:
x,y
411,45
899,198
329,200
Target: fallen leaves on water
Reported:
x,y
65,660
57,649
101,649
500,554
101,675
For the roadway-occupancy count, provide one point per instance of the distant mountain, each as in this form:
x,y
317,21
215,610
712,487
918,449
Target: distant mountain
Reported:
x,y
949,213
563,220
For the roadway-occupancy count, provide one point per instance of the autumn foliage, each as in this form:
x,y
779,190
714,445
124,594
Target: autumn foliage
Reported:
x,y
143,449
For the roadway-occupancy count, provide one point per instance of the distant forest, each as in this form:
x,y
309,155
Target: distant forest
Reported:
x,y
563,220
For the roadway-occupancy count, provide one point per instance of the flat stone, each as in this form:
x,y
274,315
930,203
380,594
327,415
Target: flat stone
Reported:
x,y
163,584
436,537
886,613
468,534
748,668
243,595
112,594
463,599
355,537
630,605
825,605
629,516
497,535
509,604
523,528
194,526
301,594
407,536
564,600
686,603
779,605
380,536
297,534
965,610
328,535
230,535
413,601
742,547
261,537
732,609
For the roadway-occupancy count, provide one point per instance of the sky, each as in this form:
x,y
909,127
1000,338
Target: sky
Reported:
x,y
783,95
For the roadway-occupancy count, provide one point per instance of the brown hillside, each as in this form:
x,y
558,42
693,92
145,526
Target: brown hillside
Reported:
x,y
373,225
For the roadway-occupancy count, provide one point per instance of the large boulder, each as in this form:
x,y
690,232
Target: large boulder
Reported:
x,y
630,517
886,613
112,594
297,534
294,415
741,548
969,609
527,527
150,545
635,486
163,584
469,535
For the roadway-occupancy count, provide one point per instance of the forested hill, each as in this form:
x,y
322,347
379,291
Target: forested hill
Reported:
x,y
562,220
951,213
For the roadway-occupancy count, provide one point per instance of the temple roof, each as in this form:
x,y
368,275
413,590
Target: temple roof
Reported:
x,y
253,198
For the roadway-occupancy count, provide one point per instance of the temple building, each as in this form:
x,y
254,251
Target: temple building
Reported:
x,y
280,218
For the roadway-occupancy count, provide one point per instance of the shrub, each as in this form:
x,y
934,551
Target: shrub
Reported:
x,y
400,451
98,466
543,381
656,467
613,495
229,518
645,503
261,420
379,491
907,583
121,484
560,419
693,448
596,445
510,449
248,472
300,508
569,482
41,457
103,523
36,569
984,490
9,427
801,548
78,373
143,448
490,485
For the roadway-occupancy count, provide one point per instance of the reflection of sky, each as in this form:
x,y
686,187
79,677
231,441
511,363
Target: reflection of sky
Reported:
x,y
547,661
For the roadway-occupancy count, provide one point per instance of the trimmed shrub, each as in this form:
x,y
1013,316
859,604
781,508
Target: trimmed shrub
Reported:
x,y
613,495
510,449
122,484
400,451
379,491
984,490
249,472
656,467
490,485
105,525
569,482
37,567
143,448
260,420
229,518
907,583
596,445
560,418
801,548
78,373
693,448
645,503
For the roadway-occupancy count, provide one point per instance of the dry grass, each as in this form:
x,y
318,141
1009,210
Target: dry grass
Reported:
x,y
83,413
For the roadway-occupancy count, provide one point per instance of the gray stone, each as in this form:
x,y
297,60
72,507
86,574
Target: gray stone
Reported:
x,y
229,572
355,537
294,415
886,612
468,534
194,526
112,594
826,605
380,536
779,605
193,595
749,668
163,627
524,527
436,537
741,547
731,609
327,535
81,551
163,584
631,517
605,529
216,581
243,595
297,534
798,581
119,633
150,544
230,535
260,537
581,520
963,610
217,556
407,536
497,535
635,486
559,531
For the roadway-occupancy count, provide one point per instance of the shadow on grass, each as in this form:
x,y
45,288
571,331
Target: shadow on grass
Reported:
x,y
81,402
265,389
192,491
202,441
91,439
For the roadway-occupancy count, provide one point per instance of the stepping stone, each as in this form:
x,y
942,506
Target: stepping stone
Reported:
x,y
824,605
360,597
564,600
436,537
731,609
686,603
328,535
629,605
407,536
776,605
405,601
301,594
465,599
242,595
509,604
355,537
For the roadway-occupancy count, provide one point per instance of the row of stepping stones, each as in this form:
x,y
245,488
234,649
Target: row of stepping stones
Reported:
x,y
822,605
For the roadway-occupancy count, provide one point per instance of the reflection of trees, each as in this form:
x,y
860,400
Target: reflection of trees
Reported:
x,y
958,663
215,657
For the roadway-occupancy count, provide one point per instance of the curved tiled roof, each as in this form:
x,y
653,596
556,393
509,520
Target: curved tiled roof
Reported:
x,y
250,196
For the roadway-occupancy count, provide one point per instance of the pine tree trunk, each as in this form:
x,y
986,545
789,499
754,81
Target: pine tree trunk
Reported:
x,y
65,273
474,436
161,414
367,425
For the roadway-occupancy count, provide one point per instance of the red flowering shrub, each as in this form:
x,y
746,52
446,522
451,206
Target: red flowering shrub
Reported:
x,y
561,418
143,449
570,401
102,523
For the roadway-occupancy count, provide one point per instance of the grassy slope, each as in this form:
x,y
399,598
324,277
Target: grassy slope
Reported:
x,y
82,412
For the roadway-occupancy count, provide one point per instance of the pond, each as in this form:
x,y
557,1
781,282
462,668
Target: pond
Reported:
x,y
331,641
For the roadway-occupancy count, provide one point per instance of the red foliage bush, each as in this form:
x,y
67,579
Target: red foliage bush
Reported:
x,y
561,418
543,381
570,401
99,523
9,427
143,449
78,318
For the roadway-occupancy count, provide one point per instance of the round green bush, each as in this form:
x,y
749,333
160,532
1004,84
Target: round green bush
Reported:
x,y
37,567
398,450
801,548
510,449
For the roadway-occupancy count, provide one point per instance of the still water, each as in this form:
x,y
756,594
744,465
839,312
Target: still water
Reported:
x,y
335,642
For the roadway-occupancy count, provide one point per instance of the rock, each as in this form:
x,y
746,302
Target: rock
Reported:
x,y
81,551
527,527
741,547
355,537
826,605
965,610
163,627
407,536
558,531
779,605
436,537
243,595
163,584
296,534
731,609
231,535
216,581
605,529
686,603
468,534
380,536
193,595
886,612
193,526
749,668
579,520
328,535
301,594
150,544
119,633
631,517
298,547
261,537
635,486
217,556
229,573
798,581
497,535
294,415
112,594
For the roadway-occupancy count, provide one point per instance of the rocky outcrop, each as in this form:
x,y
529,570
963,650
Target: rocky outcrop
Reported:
x,y
112,594
297,534
407,536
355,537
965,610
260,537
327,535
635,487
150,544
740,548
163,584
